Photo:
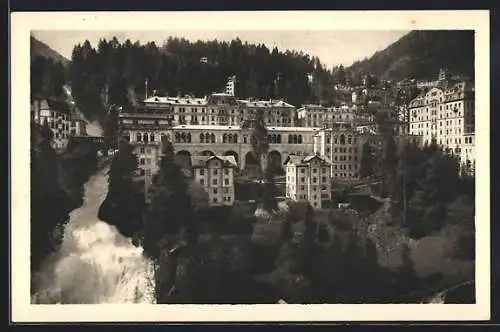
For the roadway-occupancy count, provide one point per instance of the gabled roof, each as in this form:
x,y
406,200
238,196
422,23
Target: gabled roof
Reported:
x,y
305,160
54,105
202,161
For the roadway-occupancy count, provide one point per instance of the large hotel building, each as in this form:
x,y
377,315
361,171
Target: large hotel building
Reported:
x,y
446,112
212,126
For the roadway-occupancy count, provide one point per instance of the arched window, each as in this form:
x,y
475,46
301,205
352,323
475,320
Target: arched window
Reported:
x,y
235,138
278,140
145,138
269,138
183,137
290,139
342,139
212,138
139,137
244,140
188,137
230,138
202,138
152,137
224,138
177,137
207,138
349,139
299,139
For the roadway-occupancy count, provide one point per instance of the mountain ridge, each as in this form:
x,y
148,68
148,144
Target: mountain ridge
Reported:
x,y
40,48
420,54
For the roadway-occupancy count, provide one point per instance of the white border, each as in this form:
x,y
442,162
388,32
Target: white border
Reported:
x,y
23,23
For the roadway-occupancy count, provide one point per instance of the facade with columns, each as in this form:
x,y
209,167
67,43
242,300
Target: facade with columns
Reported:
x,y
197,140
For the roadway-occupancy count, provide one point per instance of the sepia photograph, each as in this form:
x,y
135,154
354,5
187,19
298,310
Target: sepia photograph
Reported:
x,y
242,166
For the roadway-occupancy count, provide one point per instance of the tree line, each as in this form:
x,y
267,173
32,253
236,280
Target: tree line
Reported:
x,y
121,69
47,78
429,187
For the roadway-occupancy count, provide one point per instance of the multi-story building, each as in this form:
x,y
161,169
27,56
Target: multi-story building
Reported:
x,y
78,125
215,174
57,116
448,116
342,145
230,85
217,109
197,140
308,178
319,116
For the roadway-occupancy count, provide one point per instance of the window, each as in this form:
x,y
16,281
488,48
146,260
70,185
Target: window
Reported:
x,y
302,179
214,172
302,170
142,161
315,170
226,182
148,161
214,182
215,199
226,171
202,171
148,151
314,179
323,179
215,191
202,182
323,170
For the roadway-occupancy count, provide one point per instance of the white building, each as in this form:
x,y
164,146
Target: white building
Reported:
x,y
217,109
342,145
317,115
448,116
308,178
215,174
57,115
230,85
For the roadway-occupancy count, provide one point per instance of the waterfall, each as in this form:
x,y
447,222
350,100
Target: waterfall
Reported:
x,y
95,264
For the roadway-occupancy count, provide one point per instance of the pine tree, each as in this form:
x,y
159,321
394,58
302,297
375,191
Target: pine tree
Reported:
x,y
124,204
367,161
169,213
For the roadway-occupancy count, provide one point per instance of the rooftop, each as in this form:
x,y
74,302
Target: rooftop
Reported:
x,y
304,160
202,161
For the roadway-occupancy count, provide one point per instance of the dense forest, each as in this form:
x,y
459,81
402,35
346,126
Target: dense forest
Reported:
x,y
179,66
420,54
240,254
175,68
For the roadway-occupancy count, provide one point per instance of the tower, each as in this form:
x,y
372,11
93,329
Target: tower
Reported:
x,y
231,81
443,74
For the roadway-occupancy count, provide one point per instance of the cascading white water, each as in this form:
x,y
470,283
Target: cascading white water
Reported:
x,y
95,264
